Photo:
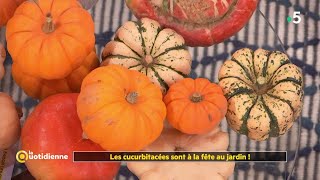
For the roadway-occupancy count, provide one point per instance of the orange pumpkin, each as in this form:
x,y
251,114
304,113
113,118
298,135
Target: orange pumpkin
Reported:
x,y
195,106
41,88
7,8
120,109
51,38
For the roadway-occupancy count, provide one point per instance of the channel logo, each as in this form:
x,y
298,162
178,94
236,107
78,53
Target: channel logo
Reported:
x,y
22,156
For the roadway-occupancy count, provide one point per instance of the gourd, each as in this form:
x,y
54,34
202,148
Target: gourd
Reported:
x,y
195,106
7,9
144,46
9,122
172,140
54,127
2,59
264,92
200,22
59,33
120,109
39,88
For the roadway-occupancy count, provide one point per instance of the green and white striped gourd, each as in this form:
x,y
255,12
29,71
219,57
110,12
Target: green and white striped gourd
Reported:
x,y
264,92
144,46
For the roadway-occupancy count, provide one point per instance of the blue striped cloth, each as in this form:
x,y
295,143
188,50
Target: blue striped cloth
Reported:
x,y
301,42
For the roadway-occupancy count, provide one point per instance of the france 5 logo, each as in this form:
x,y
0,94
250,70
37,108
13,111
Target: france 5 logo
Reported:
x,y
296,18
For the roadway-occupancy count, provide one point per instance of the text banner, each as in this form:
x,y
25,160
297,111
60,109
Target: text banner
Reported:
x,y
84,156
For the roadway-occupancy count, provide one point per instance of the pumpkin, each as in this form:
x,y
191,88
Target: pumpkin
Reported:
x,y
264,92
120,109
2,59
41,88
143,46
9,122
54,127
200,22
195,106
172,140
7,9
51,38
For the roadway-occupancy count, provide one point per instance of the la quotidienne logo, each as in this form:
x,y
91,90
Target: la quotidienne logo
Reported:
x,y
22,156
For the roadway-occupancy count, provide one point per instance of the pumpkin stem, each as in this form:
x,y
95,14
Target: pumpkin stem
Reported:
x,y
48,26
196,97
147,60
261,80
132,97
262,86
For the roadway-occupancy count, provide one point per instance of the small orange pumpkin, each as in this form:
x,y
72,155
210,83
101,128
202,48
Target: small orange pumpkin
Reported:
x,y
120,109
7,8
51,38
41,88
195,106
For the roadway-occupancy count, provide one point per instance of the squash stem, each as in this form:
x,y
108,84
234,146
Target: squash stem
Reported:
x,y
262,89
48,26
132,97
147,61
196,97
262,86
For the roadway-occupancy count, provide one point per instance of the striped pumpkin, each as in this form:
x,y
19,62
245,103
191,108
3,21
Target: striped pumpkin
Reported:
x,y
264,91
144,46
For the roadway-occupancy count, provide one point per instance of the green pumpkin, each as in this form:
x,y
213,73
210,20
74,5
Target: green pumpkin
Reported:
x,y
264,92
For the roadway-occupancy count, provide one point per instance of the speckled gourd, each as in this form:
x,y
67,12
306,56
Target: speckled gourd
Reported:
x,y
264,92
144,46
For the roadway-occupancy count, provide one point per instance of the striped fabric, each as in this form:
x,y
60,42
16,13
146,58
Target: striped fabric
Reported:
x,y
301,42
